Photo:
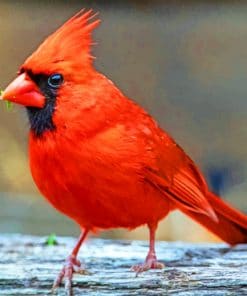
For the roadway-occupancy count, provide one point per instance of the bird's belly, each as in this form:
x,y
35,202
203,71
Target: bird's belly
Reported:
x,y
95,185
92,208
105,202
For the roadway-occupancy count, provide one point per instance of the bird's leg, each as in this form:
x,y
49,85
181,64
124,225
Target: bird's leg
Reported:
x,y
151,259
72,265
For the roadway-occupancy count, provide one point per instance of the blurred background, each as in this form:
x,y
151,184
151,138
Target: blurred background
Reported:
x,y
185,63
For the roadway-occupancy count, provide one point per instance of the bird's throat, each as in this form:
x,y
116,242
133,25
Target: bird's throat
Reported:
x,y
41,119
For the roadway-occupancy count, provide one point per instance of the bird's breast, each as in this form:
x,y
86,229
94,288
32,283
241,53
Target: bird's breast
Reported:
x,y
93,185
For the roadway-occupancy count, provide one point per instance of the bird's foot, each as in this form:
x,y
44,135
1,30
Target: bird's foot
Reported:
x,y
150,263
72,265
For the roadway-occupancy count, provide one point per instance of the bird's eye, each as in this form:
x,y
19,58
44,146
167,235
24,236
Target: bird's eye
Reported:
x,y
55,80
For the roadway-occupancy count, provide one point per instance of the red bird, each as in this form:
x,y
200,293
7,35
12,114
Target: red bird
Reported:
x,y
98,157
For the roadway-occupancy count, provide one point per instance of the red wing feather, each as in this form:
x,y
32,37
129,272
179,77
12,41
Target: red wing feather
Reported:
x,y
187,190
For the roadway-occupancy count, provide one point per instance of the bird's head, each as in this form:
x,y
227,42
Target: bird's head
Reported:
x,y
60,63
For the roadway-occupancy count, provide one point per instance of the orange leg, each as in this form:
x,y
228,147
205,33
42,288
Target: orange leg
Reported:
x,y
72,265
151,259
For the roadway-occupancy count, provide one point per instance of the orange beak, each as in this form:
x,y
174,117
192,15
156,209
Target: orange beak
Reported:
x,y
24,91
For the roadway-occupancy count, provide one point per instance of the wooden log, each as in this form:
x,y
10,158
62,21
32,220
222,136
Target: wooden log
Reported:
x,y
28,266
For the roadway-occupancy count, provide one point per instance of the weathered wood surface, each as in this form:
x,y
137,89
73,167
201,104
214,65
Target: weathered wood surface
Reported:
x,y
28,267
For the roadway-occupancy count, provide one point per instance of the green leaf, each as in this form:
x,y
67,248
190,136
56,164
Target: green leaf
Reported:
x,y
51,240
9,105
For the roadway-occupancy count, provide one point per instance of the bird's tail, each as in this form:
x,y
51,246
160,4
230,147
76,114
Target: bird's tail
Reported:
x,y
232,224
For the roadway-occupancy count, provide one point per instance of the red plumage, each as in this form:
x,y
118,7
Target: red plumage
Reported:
x,y
102,160
68,48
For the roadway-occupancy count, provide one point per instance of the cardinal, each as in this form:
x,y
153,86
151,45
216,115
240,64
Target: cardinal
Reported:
x,y
100,158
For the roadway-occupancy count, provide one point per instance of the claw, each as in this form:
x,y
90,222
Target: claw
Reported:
x,y
72,265
147,265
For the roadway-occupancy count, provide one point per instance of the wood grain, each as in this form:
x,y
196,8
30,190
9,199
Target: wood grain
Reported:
x,y
28,267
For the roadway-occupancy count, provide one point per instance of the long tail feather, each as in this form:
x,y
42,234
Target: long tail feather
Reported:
x,y
232,224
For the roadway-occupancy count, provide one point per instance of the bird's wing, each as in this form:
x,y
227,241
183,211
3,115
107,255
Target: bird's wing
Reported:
x,y
178,178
